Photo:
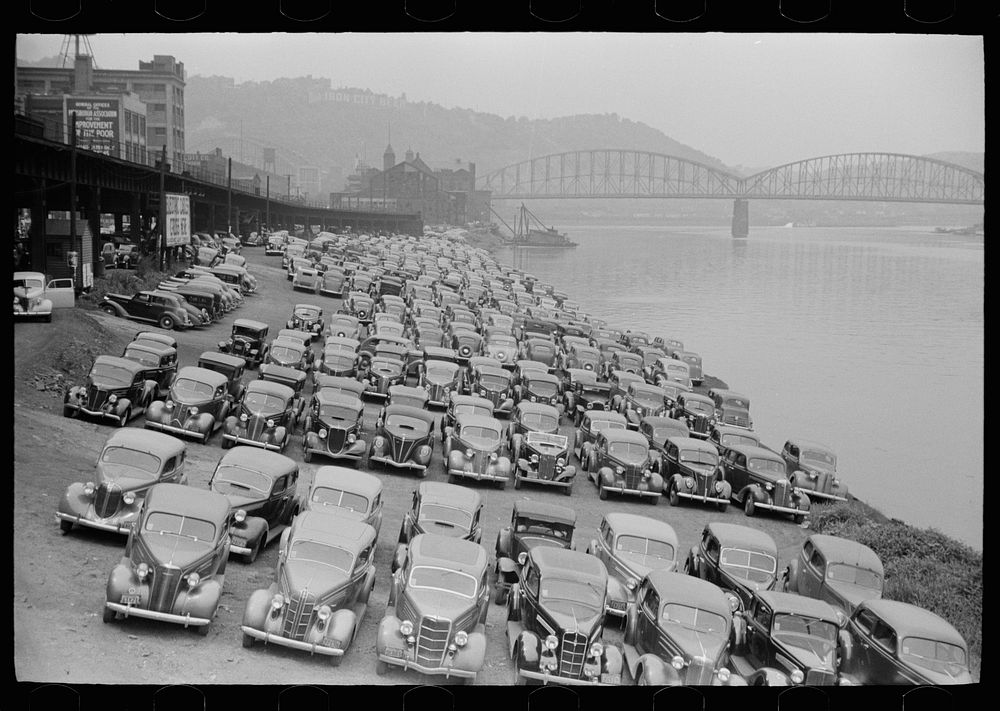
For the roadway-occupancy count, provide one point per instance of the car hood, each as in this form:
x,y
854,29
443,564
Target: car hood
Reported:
x,y
175,550
567,621
529,542
437,603
188,400
854,595
122,475
809,657
815,467
697,644
107,384
242,502
439,379
302,575
23,292
284,359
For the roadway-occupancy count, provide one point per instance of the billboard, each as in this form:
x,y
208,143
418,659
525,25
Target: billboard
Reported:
x,y
178,219
97,122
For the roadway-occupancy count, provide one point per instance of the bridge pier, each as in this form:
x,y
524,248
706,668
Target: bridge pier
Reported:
x,y
741,217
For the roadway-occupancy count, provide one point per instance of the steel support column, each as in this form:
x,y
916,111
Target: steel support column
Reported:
x,y
741,217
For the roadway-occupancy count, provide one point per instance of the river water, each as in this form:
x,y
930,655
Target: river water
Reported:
x,y
869,340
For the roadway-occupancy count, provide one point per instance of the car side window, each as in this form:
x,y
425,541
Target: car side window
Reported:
x,y
531,582
651,603
865,619
762,615
609,537
280,484
793,450
170,465
807,550
884,636
741,461
712,548
818,561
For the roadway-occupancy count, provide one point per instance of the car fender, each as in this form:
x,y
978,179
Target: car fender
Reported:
x,y
473,654
515,445
74,501
677,482
507,567
150,390
792,577
253,527
727,489
800,479
456,459
256,610
229,426
655,482
753,490
804,503
616,589
119,310
123,404
568,473
570,402
768,676
122,580
656,671
206,423
202,600
528,650
358,448
503,546
388,632
613,660
279,434
632,416
503,465
607,476
399,557
341,626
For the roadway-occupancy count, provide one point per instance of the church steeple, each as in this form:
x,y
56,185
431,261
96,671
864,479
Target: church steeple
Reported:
x,y
389,157
409,155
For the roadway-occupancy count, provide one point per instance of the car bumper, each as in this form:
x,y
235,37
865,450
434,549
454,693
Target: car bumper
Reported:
x,y
32,314
446,671
173,429
812,494
382,459
99,525
781,509
476,475
533,477
269,638
632,492
546,678
91,413
130,611
704,498
336,293
355,456
252,442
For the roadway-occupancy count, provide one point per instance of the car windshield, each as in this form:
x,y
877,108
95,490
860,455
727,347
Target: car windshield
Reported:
x,y
28,283
186,388
111,374
314,552
736,402
766,466
327,496
339,358
539,421
698,406
246,331
699,457
660,434
503,342
234,479
525,524
628,451
543,388
441,371
482,437
736,440
338,413
445,514
430,577
142,357
645,551
406,425
170,524
494,381
601,425
137,460
572,597
825,459
749,565
262,402
694,618
286,352
932,653
473,410
342,323
817,636
843,573
648,399
389,366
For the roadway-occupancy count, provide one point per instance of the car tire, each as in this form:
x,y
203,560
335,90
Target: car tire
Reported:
x,y
109,615
336,659
166,322
749,505
799,518
675,500
306,454
126,416
226,443
108,310
65,526
203,630
654,500
602,493
250,557
68,411
517,482
723,506
381,668
568,489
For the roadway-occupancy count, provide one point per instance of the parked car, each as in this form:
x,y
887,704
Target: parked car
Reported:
x,y
465,342
584,397
555,620
503,347
441,379
690,469
657,430
345,326
443,509
127,256
697,410
493,383
532,523
248,341
348,493
541,350
173,568
737,558
593,422
307,318
407,395
332,282
159,360
838,570
894,642
34,297
159,308
360,305
784,639
620,462
722,437
758,480
196,405
288,353
381,372
291,377
403,439
130,462
116,389
435,619
266,417
812,467
474,449
319,597
679,633
625,361
339,357
333,428
335,384
530,417
671,391
232,367
667,369
260,487
631,546
307,279
542,459
538,387
641,400
731,408
463,404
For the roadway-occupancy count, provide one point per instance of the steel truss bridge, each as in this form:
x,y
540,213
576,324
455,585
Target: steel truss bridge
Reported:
x,y
621,173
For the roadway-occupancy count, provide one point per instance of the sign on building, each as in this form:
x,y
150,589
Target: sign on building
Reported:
x,y
178,219
97,122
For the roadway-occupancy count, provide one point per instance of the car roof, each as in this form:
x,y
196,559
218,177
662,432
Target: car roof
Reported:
x,y
288,341
323,380
625,436
157,443
465,418
452,494
912,621
437,352
281,371
688,589
471,400
725,392
537,407
635,524
486,369
562,562
736,535
693,443
307,306
347,479
250,323
605,415
843,550
260,460
540,375
29,275
345,533
410,411
189,501
450,552
731,429
339,398
222,359
270,388
124,363
663,420
407,391
757,452
799,604
808,444
204,375
545,511
150,346
697,397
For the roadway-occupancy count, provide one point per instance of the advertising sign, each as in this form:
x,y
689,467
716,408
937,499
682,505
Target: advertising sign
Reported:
x,y
178,219
97,123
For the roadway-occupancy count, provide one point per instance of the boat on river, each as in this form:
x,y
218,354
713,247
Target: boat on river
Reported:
x,y
531,232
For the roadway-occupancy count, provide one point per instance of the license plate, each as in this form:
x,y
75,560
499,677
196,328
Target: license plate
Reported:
x,y
130,599
611,678
329,642
394,652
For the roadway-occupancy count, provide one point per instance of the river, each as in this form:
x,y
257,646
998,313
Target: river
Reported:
x,y
869,340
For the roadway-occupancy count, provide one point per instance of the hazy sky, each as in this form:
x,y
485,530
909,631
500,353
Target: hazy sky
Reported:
x,y
757,100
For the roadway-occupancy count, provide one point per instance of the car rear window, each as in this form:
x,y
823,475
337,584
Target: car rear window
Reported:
x,y
328,496
164,523
142,461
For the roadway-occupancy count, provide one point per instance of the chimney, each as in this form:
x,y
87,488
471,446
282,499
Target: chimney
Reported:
x,y
83,73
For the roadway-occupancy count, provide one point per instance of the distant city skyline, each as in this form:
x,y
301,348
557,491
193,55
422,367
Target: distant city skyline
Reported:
x,y
754,100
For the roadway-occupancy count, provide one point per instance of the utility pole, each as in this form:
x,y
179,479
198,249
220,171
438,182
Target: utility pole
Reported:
x,y
72,188
268,203
229,199
162,218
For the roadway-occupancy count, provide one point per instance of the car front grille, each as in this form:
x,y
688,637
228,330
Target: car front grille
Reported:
x,y
699,672
633,477
781,493
699,423
432,641
572,654
107,499
820,677
546,466
163,588
401,449
335,439
298,613
96,398
824,482
256,426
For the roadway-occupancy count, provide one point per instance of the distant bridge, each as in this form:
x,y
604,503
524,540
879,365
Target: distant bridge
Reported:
x,y
622,173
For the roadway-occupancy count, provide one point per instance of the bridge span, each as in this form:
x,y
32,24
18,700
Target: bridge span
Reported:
x,y
625,173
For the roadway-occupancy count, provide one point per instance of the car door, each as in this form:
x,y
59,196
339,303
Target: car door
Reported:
x,y
758,633
736,472
812,569
710,566
647,635
61,293
139,306
605,539
860,628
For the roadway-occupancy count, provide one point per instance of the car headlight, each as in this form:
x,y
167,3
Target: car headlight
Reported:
x,y
493,456
141,571
270,423
192,410
243,417
240,516
406,628
689,482
89,488
461,638
734,602
277,602
322,433
723,674
677,662
483,393
323,614
561,462
169,404
619,470
113,398
352,438
631,583
192,579
768,486
797,676
534,459
596,649
551,642
469,453
129,498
